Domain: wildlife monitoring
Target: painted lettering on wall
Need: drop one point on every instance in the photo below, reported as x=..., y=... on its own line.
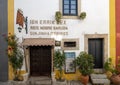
x=48, y=27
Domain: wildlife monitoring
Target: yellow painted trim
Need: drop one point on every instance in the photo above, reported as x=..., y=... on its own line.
x=69, y=77
x=10, y=29
x=112, y=31
x=11, y=16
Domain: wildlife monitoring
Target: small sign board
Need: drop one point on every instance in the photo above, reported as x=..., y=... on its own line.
x=69, y=65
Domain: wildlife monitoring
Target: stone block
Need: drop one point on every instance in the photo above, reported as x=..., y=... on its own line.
x=101, y=81
x=98, y=76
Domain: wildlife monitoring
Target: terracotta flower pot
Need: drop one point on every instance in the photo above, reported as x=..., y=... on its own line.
x=84, y=79
x=115, y=79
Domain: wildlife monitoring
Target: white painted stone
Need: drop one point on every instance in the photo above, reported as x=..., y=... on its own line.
x=98, y=76
x=99, y=79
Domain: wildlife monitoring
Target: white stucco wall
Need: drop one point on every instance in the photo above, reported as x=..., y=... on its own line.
x=97, y=20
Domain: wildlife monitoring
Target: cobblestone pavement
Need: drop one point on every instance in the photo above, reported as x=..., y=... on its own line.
x=54, y=83
x=4, y=83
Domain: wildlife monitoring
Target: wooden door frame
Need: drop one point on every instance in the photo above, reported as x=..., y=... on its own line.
x=105, y=45
x=27, y=55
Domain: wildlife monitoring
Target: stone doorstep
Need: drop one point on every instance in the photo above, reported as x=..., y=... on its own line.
x=43, y=82
x=40, y=78
x=98, y=76
x=100, y=81
x=40, y=81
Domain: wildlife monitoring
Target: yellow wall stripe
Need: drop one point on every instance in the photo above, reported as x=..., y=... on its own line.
x=11, y=16
x=10, y=28
x=112, y=31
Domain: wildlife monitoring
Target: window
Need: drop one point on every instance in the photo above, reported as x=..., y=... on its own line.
x=70, y=44
x=69, y=7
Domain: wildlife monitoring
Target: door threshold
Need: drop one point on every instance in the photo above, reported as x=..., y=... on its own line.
x=101, y=70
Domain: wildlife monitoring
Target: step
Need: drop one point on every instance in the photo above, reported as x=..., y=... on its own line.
x=40, y=81
x=43, y=82
x=98, y=76
x=101, y=81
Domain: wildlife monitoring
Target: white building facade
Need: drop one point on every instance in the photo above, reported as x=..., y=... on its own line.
x=75, y=35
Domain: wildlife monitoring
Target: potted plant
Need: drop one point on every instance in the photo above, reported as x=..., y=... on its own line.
x=112, y=72
x=59, y=60
x=58, y=16
x=108, y=67
x=82, y=15
x=15, y=56
x=118, y=65
x=85, y=65
x=115, y=78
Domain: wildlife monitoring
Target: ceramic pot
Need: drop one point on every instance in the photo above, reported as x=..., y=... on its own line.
x=84, y=79
x=115, y=79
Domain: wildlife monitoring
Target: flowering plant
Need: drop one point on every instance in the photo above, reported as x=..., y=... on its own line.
x=15, y=55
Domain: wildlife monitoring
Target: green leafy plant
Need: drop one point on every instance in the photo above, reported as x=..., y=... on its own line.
x=58, y=16
x=15, y=55
x=108, y=65
x=85, y=62
x=118, y=66
x=59, y=61
x=82, y=15
x=109, y=68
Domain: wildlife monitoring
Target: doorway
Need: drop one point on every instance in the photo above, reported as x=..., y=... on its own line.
x=40, y=60
x=95, y=48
